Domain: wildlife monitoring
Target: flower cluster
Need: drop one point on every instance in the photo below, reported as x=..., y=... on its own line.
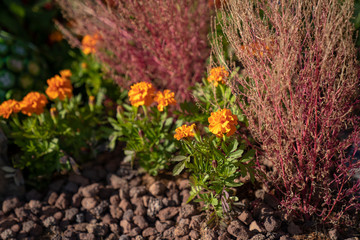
x=33, y=102
x=60, y=87
x=164, y=99
x=8, y=107
x=218, y=75
x=143, y=93
x=184, y=131
x=89, y=43
x=223, y=122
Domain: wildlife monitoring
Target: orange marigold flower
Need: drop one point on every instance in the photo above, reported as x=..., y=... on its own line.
x=164, y=99
x=59, y=87
x=218, y=75
x=141, y=93
x=33, y=102
x=88, y=43
x=184, y=131
x=55, y=36
x=223, y=121
x=66, y=73
x=8, y=107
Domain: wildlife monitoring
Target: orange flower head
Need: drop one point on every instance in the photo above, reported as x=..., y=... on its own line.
x=218, y=75
x=89, y=43
x=141, y=93
x=55, y=36
x=8, y=107
x=53, y=112
x=33, y=102
x=184, y=131
x=222, y=122
x=59, y=87
x=164, y=99
x=66, y=73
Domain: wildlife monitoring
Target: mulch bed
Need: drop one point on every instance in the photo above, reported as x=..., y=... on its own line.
x=109, y=200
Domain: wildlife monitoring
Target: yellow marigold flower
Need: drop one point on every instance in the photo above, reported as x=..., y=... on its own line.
x=88, y=43
x=66, y=73
x=8, y=107
x=164, y=99
x=141, y=93
x=184, y=131
x=218, y=74
x=223, y=121
x=33, y=102
x=59, y=87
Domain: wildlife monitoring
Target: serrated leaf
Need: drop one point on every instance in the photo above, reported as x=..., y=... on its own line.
x=178, y=168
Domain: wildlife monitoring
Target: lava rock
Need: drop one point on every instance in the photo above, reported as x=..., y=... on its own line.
x=90, y=190
x=272, y=224
x=237, y=229
x=168, y=213
x=157, y=188
x=10, y=204
x=149, y=232
x=88, y=203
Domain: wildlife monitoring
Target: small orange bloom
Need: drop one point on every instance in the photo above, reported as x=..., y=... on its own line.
x=164, y=99
x=59, y=87
x=91, y=100
x=66, y=73
x=55, y=36
x=184, y=131
x=141, y=93
x=218, y=75
x=89, y=43
x=33, y=102
x=8, y=107
x=221, y=122
x=53, y=112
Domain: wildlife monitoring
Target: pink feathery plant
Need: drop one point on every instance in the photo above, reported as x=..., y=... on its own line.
x=298, y=89
x=163, y=42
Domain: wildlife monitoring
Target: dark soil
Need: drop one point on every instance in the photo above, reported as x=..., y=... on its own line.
x=109, y=200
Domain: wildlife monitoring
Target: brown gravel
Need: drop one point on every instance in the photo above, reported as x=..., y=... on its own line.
x=112, y=201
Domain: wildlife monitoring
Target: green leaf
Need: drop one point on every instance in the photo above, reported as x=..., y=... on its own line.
x=233, y=146
x=233, y=184
x=249, y=155
x=178, y=158
x=236, y=154
x=178, y=168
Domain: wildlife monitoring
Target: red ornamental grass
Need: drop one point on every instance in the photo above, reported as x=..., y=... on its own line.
x=162, y=42
x=299, y=89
